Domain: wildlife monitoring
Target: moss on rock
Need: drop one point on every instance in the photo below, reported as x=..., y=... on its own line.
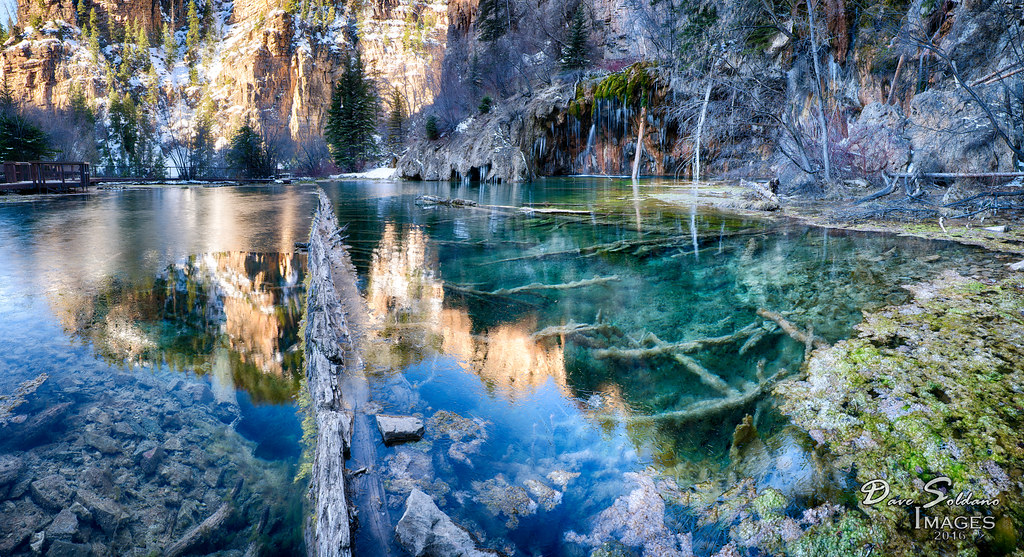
x=927, y=389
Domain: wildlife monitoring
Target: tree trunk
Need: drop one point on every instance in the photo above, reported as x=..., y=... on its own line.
x=700, y=129
x=826, y=163
x=639, y=143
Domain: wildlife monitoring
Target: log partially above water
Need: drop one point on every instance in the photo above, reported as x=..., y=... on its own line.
x=338, y=393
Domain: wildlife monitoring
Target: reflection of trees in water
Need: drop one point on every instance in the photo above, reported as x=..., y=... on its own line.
x=248, y=304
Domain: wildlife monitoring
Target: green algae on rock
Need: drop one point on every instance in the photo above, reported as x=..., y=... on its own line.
x=927, y=389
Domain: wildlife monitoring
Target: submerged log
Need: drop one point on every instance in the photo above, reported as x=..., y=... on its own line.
x=790, y=329
x=706, y=408
x=661, y=348
x=534, y=287
x=204, y=529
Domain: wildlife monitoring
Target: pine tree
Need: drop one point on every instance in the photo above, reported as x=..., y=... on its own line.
x=142, y=44
x=194, y=31
x=152, y=88
x=431, y=128
x=494, y=19
x=248, y=154
x=82, y=14
x=22, y=140
x=94, y=34
x=352, y=117
x=574, y=55
x=170, y=45
x=396, y=121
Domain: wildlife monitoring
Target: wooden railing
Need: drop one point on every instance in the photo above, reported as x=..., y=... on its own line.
x=48, y=176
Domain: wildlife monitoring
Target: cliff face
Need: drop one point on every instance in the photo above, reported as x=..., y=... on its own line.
x=259, y=63
x=764, y=112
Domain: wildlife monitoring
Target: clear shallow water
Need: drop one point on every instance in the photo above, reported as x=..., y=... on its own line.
x=169, y=317
x=163, y=319
x=547, y=428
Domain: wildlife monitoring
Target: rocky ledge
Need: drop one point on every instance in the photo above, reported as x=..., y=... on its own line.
x=929, y=389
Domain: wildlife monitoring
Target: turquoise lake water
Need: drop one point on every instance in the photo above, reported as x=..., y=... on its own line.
x=167, y=319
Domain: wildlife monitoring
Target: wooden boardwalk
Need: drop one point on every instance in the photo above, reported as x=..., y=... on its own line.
x=49, y=177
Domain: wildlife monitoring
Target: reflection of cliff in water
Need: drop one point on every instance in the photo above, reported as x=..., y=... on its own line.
x=234, y=314
x=406, y=298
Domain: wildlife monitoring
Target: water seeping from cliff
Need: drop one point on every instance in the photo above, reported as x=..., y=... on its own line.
x=166, y=322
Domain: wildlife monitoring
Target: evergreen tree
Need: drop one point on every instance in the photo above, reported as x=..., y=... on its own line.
x=79, y=106
x=142, y=44
x=3, y=34
x=574, y=55
x=170, y=45
x=82, y=14
x=22, y=140
x=396, y=121
x=494, y=19
x=431, y=128
x=248, y=155
x=352, y=118
x=152, y=88
x=94, y=34
x=485, y=104
x=192, y=38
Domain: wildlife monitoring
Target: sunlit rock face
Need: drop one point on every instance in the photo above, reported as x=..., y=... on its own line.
x=265, y=65
x=42, y=70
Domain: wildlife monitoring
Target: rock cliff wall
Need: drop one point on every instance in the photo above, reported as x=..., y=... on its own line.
x=258, y=62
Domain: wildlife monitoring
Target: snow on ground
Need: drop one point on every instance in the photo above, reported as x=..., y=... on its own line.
x=375, y=174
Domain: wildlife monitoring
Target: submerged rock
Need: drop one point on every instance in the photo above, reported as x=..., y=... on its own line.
x=425, y=531
x=500, y=497
x=467, y=435
x=106, y=513
x=399, y=429
x=64, y=526
x=637, y=519
x=61, y=548
x=52, y=492
x=10, y=469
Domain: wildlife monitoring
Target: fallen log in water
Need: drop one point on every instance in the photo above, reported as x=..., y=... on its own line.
x=661, y=348
x=327, y=346
x=790, y=329
x=534, y=287
x=339, y=393
x=704, y=408
x=204, y=529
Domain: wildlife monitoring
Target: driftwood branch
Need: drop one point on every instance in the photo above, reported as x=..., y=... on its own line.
x=790, y=329
x=535, y=287
x=705, y=408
